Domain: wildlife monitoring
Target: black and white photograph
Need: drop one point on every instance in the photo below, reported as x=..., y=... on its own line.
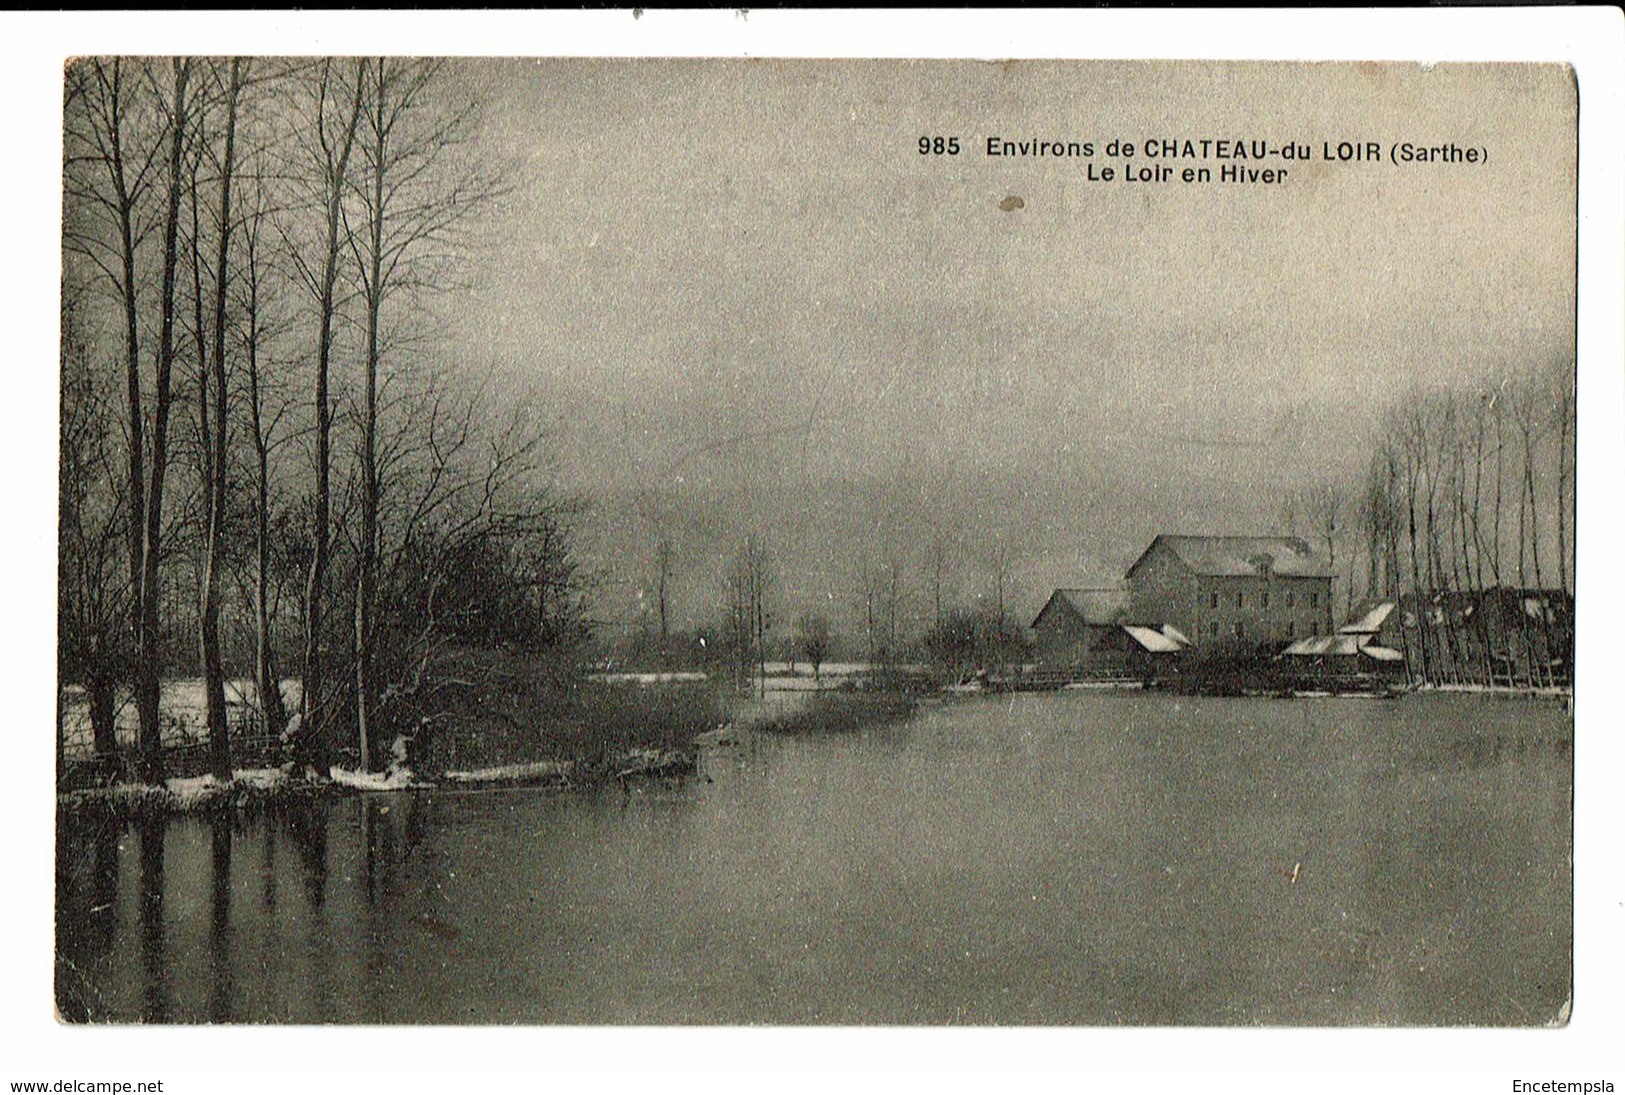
x=632, y=541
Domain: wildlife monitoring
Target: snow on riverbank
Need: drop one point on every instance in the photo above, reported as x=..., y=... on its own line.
x=195, y=791
x=1550, y=691
x=182, y=710
x=193, y=794
x=646, y=679
x=394, y=779
x=541, y=771
x=259, y=786
x=634, y=764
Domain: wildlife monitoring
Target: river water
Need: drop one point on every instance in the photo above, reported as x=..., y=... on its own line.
x=1072, y=858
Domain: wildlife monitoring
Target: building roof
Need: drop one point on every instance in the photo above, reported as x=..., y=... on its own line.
x=1341, y=646
x=1237, y=556
x=1155, y=641
x=1102, y=606
x=1371, y=622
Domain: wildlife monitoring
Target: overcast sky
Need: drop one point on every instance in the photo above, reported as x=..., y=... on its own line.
x=738, y=280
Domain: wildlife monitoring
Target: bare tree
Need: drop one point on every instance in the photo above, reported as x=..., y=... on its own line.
x=936, y=566
x=113, y=147
x=746, y=583
x=92, y=597
x=1563, y=410
x=1292, y=507
x=474, y=548
x=892, y=609
x=413, y=196
x=211, y=392
x=1498, y=407
x=262, y=431
x=868, y=601
x=1001, y=565
x=327, y=141
x=149, y=655
x=1324, y=507
x=167, y=206
x=1531, y=418
x=812, y=638
x=663, y=565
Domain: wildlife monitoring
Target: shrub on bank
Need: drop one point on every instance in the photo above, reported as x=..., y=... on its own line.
x=511, y=710
x=838, y=713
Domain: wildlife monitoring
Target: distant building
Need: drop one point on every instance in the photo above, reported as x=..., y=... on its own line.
x=1354, y=651
x=1086, y=633
x=1232, y=594
x=1074, y=621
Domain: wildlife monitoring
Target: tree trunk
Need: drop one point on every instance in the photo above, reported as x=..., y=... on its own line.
x=1500, y=464
x=209, y=618
x=149, y=663
x=1543, y=675
x=1565, y=409
x=663, y=557
x=132, y=351
x=101, y=692
x=1423, y=602
x=267, y=679
x=210, y=472
x=367, y=565
x=312, y=699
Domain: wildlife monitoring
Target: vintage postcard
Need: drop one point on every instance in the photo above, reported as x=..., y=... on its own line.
x=606, y=541
x=724, y=541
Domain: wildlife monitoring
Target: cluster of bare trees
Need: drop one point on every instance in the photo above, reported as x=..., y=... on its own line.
x=746, y=621
x=892, y=616
x=250, y=406
x=1472, y=491
x=1465, y=514
x=1321, y=513
x=883, y=597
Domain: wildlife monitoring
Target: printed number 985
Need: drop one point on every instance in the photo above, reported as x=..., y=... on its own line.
x=939, y=146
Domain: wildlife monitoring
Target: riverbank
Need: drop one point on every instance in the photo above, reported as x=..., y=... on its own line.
x=662, y=744
x=254, y=790
x=811, y=713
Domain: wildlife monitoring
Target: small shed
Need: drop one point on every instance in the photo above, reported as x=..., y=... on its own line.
x=1072, y=623
x=1352, y=652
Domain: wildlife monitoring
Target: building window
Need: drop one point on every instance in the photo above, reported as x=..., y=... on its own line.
x=1290, y=599
x=1241, y=600
x=1291, y=628
x=1213, y=627
x=1264, y=599
x=1314, y=600
x=1213, y=601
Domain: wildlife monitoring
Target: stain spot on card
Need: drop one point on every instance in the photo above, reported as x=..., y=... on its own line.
x=1012, y=203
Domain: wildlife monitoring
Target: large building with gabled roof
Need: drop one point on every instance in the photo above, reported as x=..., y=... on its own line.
x=1232, y=594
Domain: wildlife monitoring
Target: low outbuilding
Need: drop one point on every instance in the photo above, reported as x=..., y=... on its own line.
x=1073, y=622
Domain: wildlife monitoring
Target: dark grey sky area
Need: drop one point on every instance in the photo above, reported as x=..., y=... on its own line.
x=750, y=302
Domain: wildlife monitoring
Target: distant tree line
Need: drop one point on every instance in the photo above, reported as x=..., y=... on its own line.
x=262, y=467
x=895, y=611
x=1465, y=491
